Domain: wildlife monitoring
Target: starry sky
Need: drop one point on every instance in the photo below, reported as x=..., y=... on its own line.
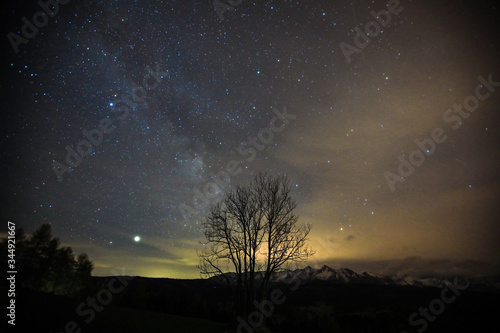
x=122, y=121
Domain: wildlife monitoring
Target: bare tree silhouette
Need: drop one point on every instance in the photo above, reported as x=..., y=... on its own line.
x=253, y=231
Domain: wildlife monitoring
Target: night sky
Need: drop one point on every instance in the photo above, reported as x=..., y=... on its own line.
x=171, y=106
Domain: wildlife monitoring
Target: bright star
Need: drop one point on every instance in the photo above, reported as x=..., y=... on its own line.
x=137, y=238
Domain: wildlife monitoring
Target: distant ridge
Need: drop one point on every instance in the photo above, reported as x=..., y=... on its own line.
x=348, y=276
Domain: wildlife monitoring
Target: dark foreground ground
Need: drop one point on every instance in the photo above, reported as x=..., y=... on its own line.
x=165, y=305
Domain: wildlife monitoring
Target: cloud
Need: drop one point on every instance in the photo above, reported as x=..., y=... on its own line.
x=419, y=267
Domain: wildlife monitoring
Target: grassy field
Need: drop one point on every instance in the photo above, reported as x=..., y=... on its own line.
x=48, y=313
x=121, y=319
x=315, y=307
